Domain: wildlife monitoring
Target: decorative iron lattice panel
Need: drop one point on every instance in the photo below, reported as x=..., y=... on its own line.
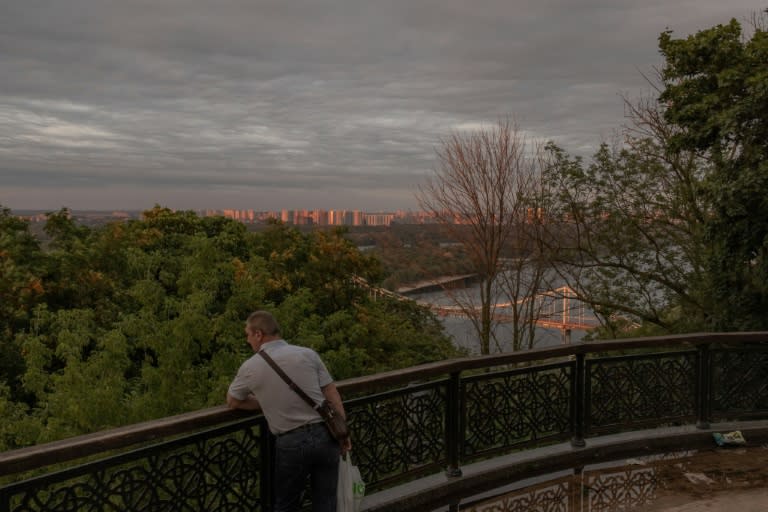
x=739, y=383
x=605, y=490
x=638, y=390
x=209, y=473
x=554, y=497
x=510, y=408
x=398, y=433
x=623, y=490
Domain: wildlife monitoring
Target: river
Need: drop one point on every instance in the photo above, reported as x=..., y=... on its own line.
x=464, y=335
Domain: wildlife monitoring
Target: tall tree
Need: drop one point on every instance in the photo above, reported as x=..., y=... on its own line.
x=21, y=288
x=716, y=93
x=671, y=226
x=625, y=230
x=480, y=192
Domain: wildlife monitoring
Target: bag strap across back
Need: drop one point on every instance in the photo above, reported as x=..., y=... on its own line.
x=271, y=362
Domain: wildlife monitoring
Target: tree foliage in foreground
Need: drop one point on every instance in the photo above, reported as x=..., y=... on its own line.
x=630, y=237
x=144, y=319
x=671, y=227
x=716, y=93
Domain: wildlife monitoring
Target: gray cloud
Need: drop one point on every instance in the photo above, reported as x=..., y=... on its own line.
x=330, y=103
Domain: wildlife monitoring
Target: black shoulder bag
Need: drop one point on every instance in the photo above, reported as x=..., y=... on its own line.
x=335, y=422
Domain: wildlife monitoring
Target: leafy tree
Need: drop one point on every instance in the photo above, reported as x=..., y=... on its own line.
x=152, y=311
x=716, y=93
x=367, y=338
x=418, y=260
x=21, y=288
x=323, y=261
x=625, y=231
x=670, y=227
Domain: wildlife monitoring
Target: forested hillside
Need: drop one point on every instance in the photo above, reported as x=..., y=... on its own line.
x=143, y=319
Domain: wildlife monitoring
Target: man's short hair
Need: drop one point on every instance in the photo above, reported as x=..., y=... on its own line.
x=263, y=321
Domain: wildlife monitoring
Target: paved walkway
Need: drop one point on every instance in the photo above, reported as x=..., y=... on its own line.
x=755, y=500
x=720, y=480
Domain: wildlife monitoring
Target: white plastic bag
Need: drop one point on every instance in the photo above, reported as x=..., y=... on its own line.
x=351, y=488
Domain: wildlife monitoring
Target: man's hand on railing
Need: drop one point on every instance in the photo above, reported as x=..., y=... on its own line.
x=249, y=404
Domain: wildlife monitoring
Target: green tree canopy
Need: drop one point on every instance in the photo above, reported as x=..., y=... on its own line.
x=144, y=319
x=716, y=94
x=671, y=226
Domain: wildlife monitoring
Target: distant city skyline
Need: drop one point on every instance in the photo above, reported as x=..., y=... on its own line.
x=298, y=217
x=271, y=104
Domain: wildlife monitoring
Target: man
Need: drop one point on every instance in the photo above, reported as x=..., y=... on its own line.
x=304, y=447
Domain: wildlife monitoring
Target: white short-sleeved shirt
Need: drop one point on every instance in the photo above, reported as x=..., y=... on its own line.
x=284, y=409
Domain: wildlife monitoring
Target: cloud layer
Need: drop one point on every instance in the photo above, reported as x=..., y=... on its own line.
x=306, y=103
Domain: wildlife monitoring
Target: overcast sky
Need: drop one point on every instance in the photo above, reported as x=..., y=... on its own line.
x=121, y=104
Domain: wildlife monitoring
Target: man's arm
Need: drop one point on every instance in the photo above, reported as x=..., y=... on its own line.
x=332, y=395
x=249, y=404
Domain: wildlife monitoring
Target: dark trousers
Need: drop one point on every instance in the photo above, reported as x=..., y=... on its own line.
x=307, y=452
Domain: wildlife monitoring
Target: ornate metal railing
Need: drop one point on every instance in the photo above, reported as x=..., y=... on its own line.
x=607, y=489
x=406, y=423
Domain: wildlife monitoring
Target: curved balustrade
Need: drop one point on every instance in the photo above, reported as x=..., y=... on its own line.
x=406, y=424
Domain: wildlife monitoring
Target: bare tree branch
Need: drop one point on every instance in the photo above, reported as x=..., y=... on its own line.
x=481, y=190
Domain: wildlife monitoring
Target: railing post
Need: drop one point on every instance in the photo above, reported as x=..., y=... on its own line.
x=703, y=387
x=453, y=425
x=267, y=470
x=5, y=501
x=578, y=400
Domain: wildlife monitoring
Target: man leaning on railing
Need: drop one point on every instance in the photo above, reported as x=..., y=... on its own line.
x=304, y=446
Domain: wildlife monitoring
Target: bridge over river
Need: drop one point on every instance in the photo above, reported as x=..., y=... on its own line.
x=555, y=309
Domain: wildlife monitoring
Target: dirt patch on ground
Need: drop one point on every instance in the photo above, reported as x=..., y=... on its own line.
x=715, y=480
x=709, y=476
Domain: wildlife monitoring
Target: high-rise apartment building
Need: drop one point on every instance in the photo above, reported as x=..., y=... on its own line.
x=320, y=217
x=378, y=219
